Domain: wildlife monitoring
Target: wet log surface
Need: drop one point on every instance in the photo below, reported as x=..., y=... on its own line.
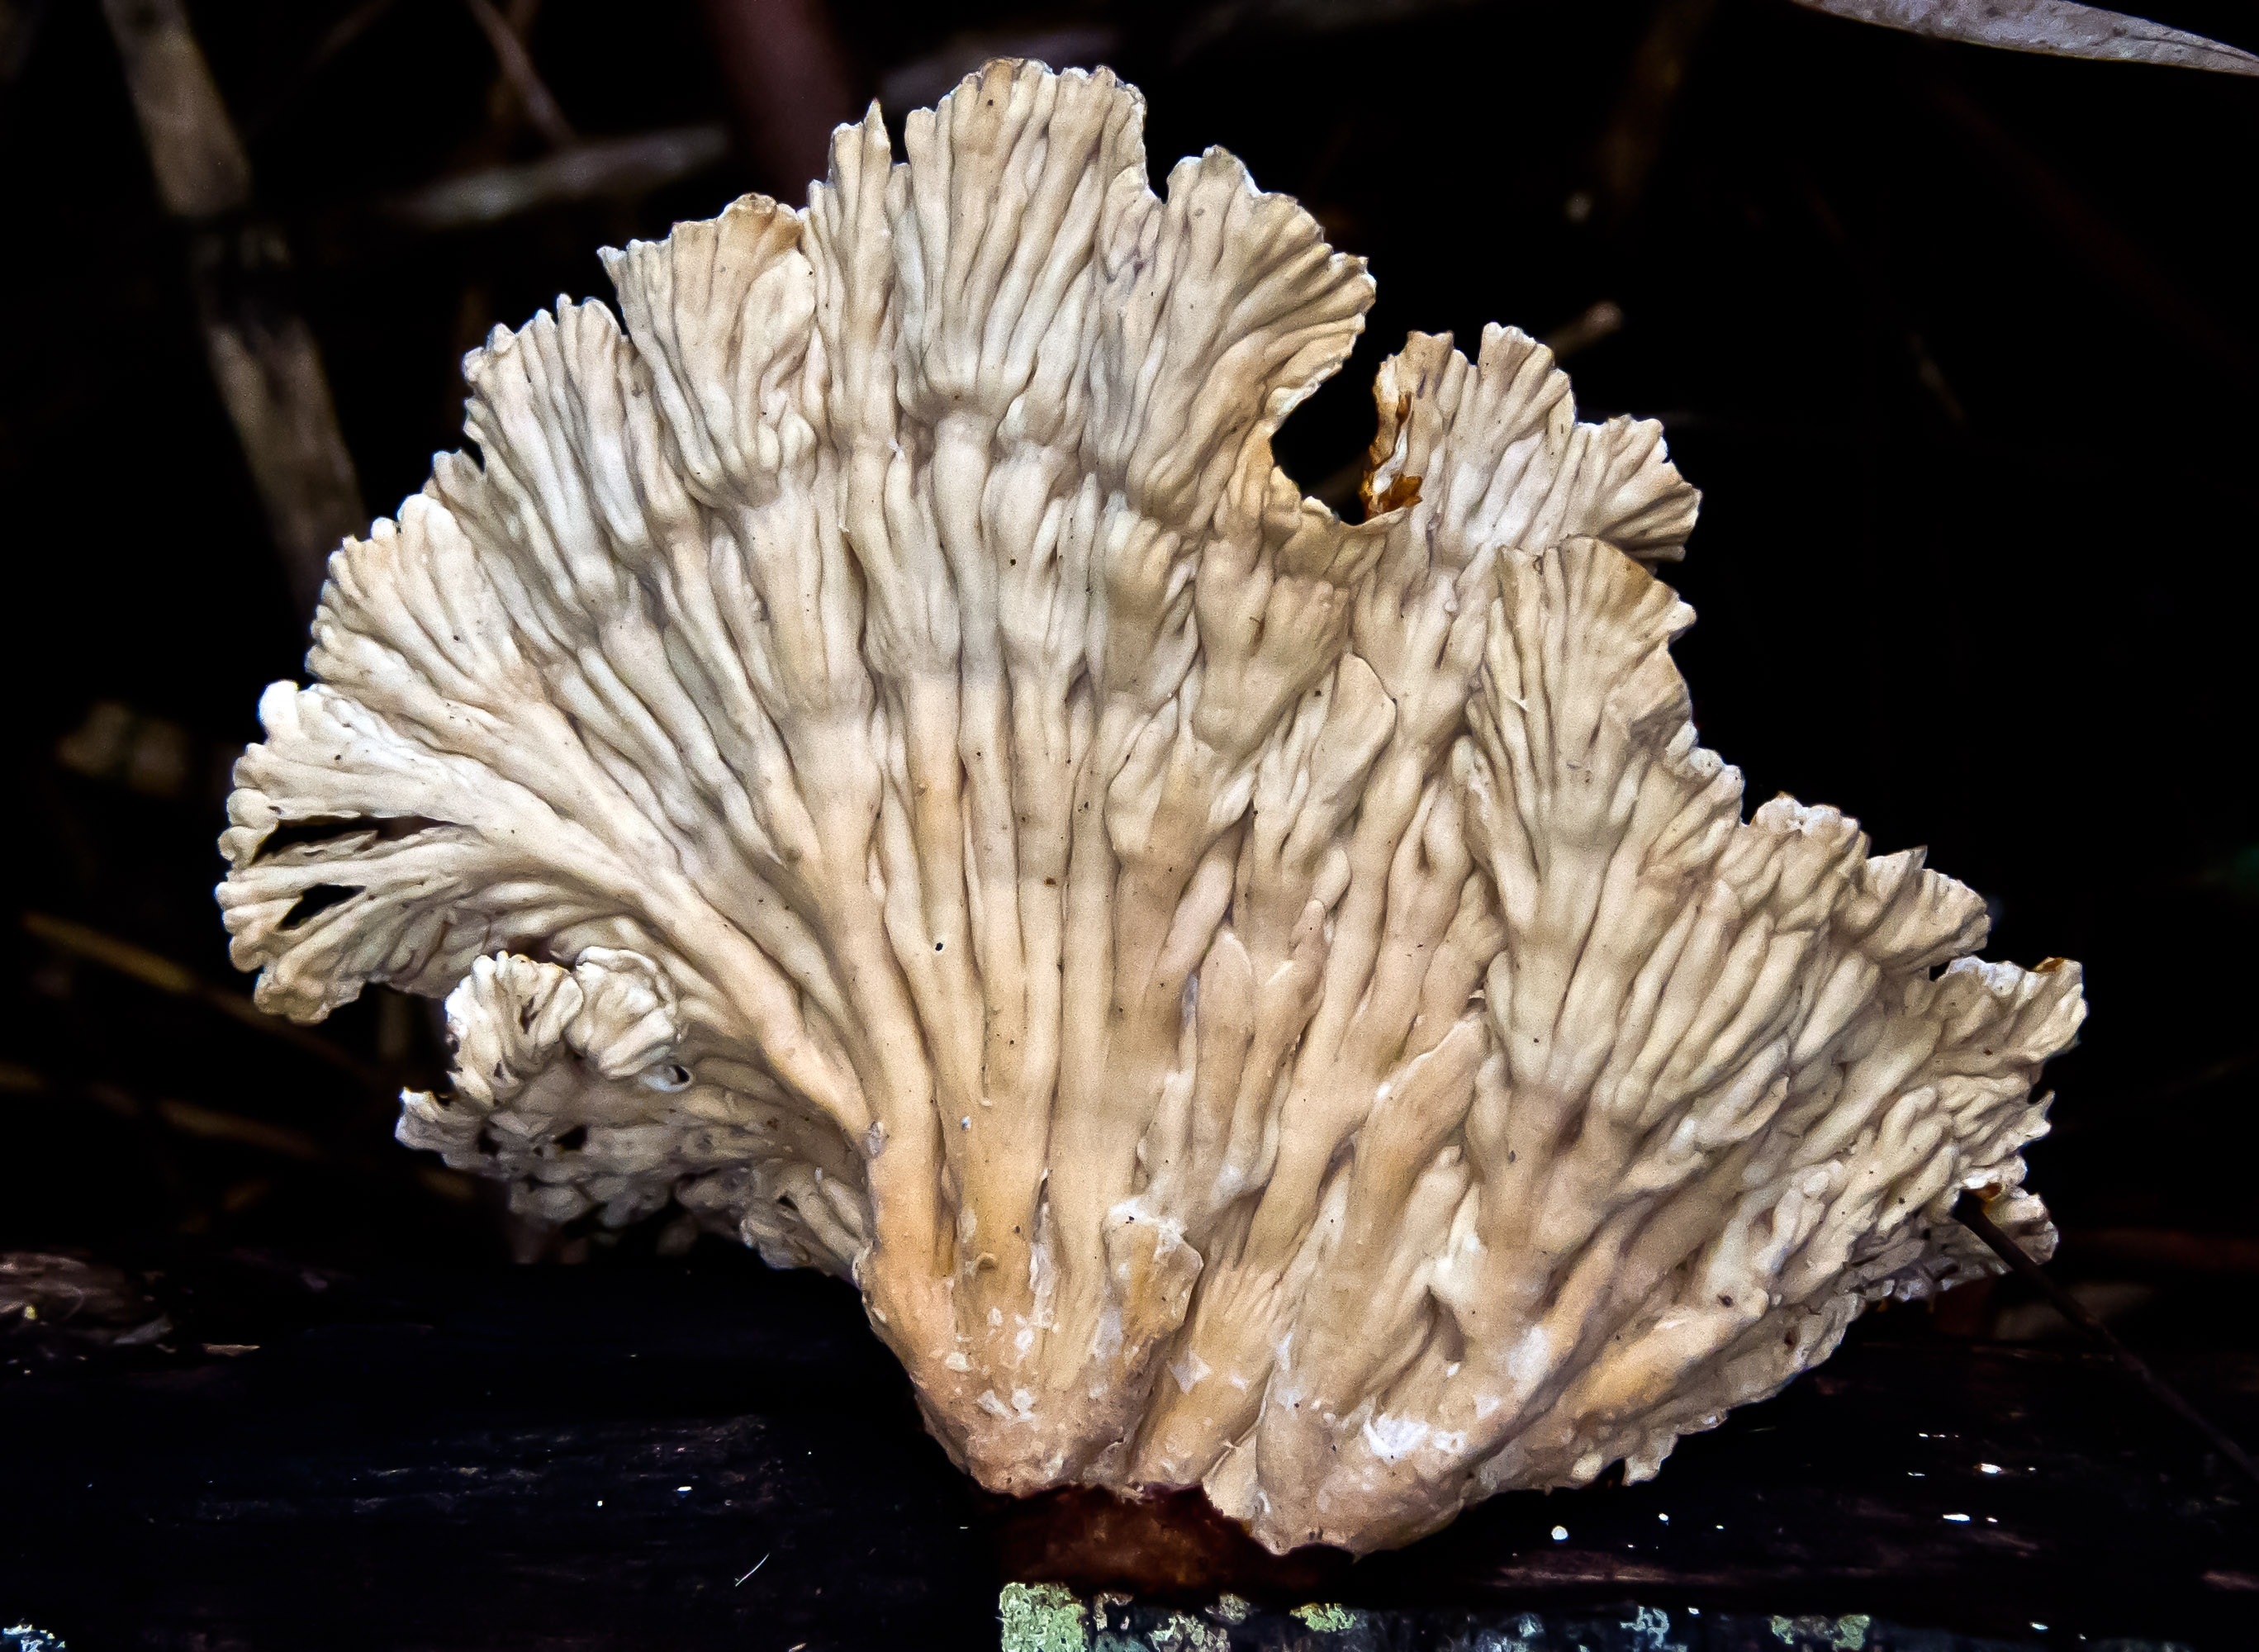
x=685, y=1457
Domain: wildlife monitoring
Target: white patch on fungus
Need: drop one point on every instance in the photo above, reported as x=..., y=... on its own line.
x=1392, y=1438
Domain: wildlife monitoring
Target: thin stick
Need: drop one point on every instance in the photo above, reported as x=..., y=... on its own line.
x=619, y=168
x=517, y=66
x=1969, y=1211
x=1632, y=142
x=154, y=970
x=2035, y=187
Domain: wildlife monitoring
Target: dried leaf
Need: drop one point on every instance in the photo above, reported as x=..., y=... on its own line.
x=2057, y=27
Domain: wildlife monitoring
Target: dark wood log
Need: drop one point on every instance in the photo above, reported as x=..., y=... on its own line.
x=714, y=1455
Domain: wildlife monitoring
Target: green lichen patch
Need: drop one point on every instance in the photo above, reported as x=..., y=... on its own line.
x=1042, y=1618
x=1185, y=1632
x=1847, y=1633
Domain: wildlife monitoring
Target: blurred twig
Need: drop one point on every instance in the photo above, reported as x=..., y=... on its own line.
x=2107, y=250
x=483, y=194
x=154, y=970
x=504, y=104
x=1583, y=331
x=1881, y=299
x=516, y=64
x=261, y=352
x=614, y=167
x=1632, y=141
x=1969, y=1211
x=213, y=1125
x=199, y=164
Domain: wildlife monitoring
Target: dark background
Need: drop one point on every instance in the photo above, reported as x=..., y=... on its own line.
x=1959, y=344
